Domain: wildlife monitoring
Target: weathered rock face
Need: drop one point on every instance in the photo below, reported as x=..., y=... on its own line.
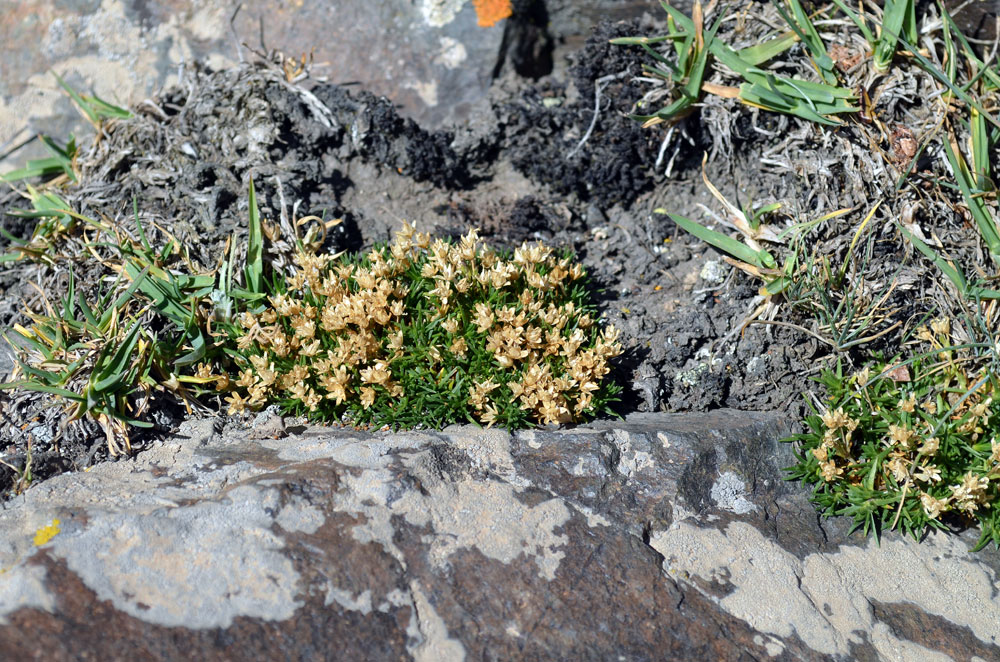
x=431, y=57
x=663, y=537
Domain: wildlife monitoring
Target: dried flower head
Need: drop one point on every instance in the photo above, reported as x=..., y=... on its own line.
x=929, y=447
x=933, y=507
x=941, y=326
x=909, y=404
x=834, y=420
x=900, y=435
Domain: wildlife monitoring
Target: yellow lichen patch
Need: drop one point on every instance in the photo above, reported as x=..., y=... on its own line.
x=46, y=533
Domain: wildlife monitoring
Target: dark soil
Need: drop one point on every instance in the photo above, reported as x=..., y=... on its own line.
x=519, y=170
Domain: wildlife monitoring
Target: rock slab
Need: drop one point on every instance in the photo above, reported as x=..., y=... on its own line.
x=430, y=57
x=661, y=537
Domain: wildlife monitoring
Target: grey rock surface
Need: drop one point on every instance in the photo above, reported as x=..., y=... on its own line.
x=661, y=537
x=430, y=57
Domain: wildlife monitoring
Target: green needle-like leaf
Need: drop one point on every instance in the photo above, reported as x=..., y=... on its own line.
x=255, y=246
x=964, y=179
x=111, y=375
x=949, y=270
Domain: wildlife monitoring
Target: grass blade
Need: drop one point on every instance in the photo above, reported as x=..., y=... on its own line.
x=78, y=100
x=760, y=259
x=858, y=21
x=806, y=32
x=198, y=352
x=123, y=298
x=255, y=260
x=948, y=269
x=761, y=53
x=106, y=110
x=894, y=16
x=138, y=225
x=977, y=206
x=961, y=93
x=43, y=388
x=109, y=377
x=59, y=163
x=991, y=74
x=980, y=151
x=94, y=108
x=87, y=311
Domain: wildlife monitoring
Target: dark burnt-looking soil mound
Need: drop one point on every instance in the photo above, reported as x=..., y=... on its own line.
x=583, y=148
x=534, y=162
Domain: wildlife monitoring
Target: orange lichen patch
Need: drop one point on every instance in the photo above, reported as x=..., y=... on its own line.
x=491, y=12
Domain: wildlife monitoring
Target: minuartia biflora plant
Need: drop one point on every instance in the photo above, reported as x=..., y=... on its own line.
x=427, y=333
